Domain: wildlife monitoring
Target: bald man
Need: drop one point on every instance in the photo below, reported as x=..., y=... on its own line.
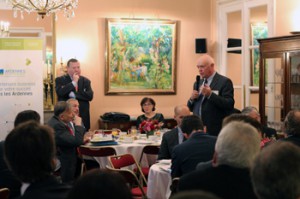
x=212, y=97
x=175, y=136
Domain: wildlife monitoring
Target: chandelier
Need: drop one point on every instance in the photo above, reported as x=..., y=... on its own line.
x=43, y=7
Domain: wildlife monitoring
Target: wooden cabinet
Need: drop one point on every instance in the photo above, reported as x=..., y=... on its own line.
x=279, y=85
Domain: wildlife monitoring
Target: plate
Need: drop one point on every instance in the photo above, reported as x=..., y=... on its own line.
x=144, y=142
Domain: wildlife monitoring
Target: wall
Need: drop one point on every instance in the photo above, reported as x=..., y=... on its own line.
x=287, y=16
x=83, y=37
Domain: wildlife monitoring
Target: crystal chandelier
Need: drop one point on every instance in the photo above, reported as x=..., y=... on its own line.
x=43, y=7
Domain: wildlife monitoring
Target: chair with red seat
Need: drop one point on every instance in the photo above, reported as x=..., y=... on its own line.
x=95, y=152
x=148, y=150
x=4, y=193
x=137, y=189
x=125, y=161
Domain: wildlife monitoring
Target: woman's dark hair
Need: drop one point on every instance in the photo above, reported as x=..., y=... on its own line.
x=29, y=150
x=25, y=116
x=148, y=99
x=98, y=183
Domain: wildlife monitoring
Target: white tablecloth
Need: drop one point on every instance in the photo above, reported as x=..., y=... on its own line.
x=135, y=148
x=159, y=181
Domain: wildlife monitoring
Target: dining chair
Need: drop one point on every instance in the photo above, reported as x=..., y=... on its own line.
x=148, y=150
x=125, y=161
x=94, y=152
x=138, y=190
x=4, y=193
x=174, y=185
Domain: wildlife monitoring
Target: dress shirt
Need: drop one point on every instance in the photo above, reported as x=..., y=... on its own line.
x=180, y=136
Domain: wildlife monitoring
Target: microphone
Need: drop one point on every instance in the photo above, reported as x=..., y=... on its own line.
x=197, y=82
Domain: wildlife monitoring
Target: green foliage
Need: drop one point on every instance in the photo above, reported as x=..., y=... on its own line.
x=141, y=56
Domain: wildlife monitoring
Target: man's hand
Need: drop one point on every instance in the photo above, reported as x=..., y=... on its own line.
x=205, y=90
x=75, y=77
x=194, y=95
x=77, y=120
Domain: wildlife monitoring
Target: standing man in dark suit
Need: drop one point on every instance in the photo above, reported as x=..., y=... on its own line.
x=198, y=148
x=73, y=85
x=212, y=96
x=175, y=136
x=68, y=138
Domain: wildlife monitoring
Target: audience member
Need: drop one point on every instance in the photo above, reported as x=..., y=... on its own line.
x=7, y=178
x=75, y=108
x=174, y=137
x=30, y=153
x=253, y=122
x=292, y=127
x=212, y=96
x=74, y=85
x=194, y=195
x=198, y=148
x=228, y=176
x=253, y=112
x=276, y=172
x=97, y=184
x=148, y=107
x=67, y=139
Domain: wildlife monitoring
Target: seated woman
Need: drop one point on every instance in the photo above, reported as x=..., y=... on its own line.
x=148, y=107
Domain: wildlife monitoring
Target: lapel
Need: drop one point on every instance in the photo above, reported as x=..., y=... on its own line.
x=214, y=81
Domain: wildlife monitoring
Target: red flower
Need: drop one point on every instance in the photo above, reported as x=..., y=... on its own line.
x=149, y=125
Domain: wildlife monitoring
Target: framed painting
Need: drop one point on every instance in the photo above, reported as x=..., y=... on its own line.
x=140, y=57
x=258, y=31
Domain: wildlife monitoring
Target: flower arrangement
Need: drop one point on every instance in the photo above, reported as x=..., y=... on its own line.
x=149, y=126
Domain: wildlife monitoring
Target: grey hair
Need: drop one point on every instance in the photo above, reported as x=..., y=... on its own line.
x=61, y=107
x=247, y=110
x=237, y=145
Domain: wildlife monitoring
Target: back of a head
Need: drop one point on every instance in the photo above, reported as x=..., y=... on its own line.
x=191, y=123
x=242, y=118
x=237, y=145
x=292, y=123
x=194, y=195
x=25, y=116
x=248, y=109
x=276, y=172
x=29, y=151
x=100, y=184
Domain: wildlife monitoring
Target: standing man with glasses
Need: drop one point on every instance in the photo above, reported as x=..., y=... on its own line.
x=73, y=85
x=212, y=96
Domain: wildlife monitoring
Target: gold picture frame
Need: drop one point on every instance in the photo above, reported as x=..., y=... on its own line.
x=140, y=57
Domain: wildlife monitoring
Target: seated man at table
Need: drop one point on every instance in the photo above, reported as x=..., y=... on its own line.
x=229, y=174
x=67, y=139
x=175, y=136
x=199, y=147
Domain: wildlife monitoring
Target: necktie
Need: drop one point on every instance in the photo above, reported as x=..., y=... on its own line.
x=70, y=130
x=202, y=97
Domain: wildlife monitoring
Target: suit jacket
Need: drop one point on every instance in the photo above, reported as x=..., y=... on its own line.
x=66, y=147
x=219, y=105
x=224, y=181
x=169, y=141
x=63, y=87
x=198, y=148
x=48, y=188
x=295, y=139
x=7, y=178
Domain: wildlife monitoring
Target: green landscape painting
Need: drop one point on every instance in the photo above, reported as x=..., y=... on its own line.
x=141, y=57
